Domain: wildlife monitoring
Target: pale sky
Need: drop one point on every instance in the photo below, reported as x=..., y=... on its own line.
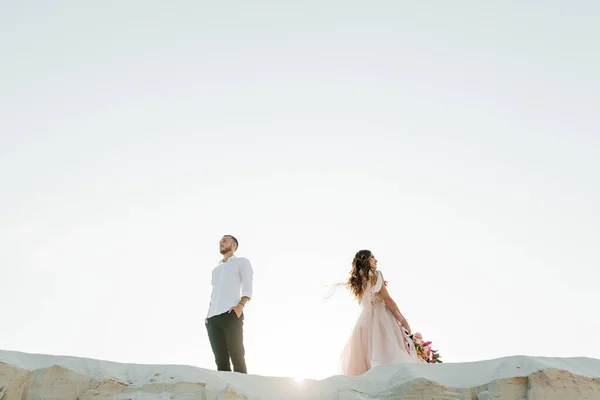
x=459, y=142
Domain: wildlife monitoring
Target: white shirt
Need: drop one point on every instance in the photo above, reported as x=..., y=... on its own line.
x=230, y=278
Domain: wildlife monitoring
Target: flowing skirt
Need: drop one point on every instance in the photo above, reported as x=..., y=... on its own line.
x=377, y=339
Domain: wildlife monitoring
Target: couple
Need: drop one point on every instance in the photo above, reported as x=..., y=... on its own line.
x=379, y=337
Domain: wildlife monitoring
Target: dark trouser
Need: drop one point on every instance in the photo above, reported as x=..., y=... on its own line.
x=226, y=335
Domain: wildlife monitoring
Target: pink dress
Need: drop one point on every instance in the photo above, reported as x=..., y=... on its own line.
x=377, y=338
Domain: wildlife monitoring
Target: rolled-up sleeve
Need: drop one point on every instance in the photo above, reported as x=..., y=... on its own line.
x=247, y=274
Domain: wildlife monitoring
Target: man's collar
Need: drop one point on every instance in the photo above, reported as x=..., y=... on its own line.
x=233, y=257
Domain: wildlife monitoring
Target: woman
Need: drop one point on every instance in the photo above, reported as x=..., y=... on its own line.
x=380, y=335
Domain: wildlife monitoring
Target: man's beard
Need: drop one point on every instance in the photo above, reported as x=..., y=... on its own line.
x=225, y=250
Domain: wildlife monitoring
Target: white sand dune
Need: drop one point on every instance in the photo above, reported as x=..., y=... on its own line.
x=44, y=377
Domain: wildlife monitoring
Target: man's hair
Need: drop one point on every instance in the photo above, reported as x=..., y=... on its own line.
x=235, y=240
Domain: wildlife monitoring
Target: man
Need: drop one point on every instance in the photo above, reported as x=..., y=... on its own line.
x=225, y=318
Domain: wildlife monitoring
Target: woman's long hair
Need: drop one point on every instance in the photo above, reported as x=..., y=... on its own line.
x=360, y=273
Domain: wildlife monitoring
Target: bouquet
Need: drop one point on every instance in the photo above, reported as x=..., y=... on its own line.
x=424, y=349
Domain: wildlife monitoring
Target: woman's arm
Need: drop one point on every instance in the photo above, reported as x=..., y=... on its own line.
x=391, y=304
